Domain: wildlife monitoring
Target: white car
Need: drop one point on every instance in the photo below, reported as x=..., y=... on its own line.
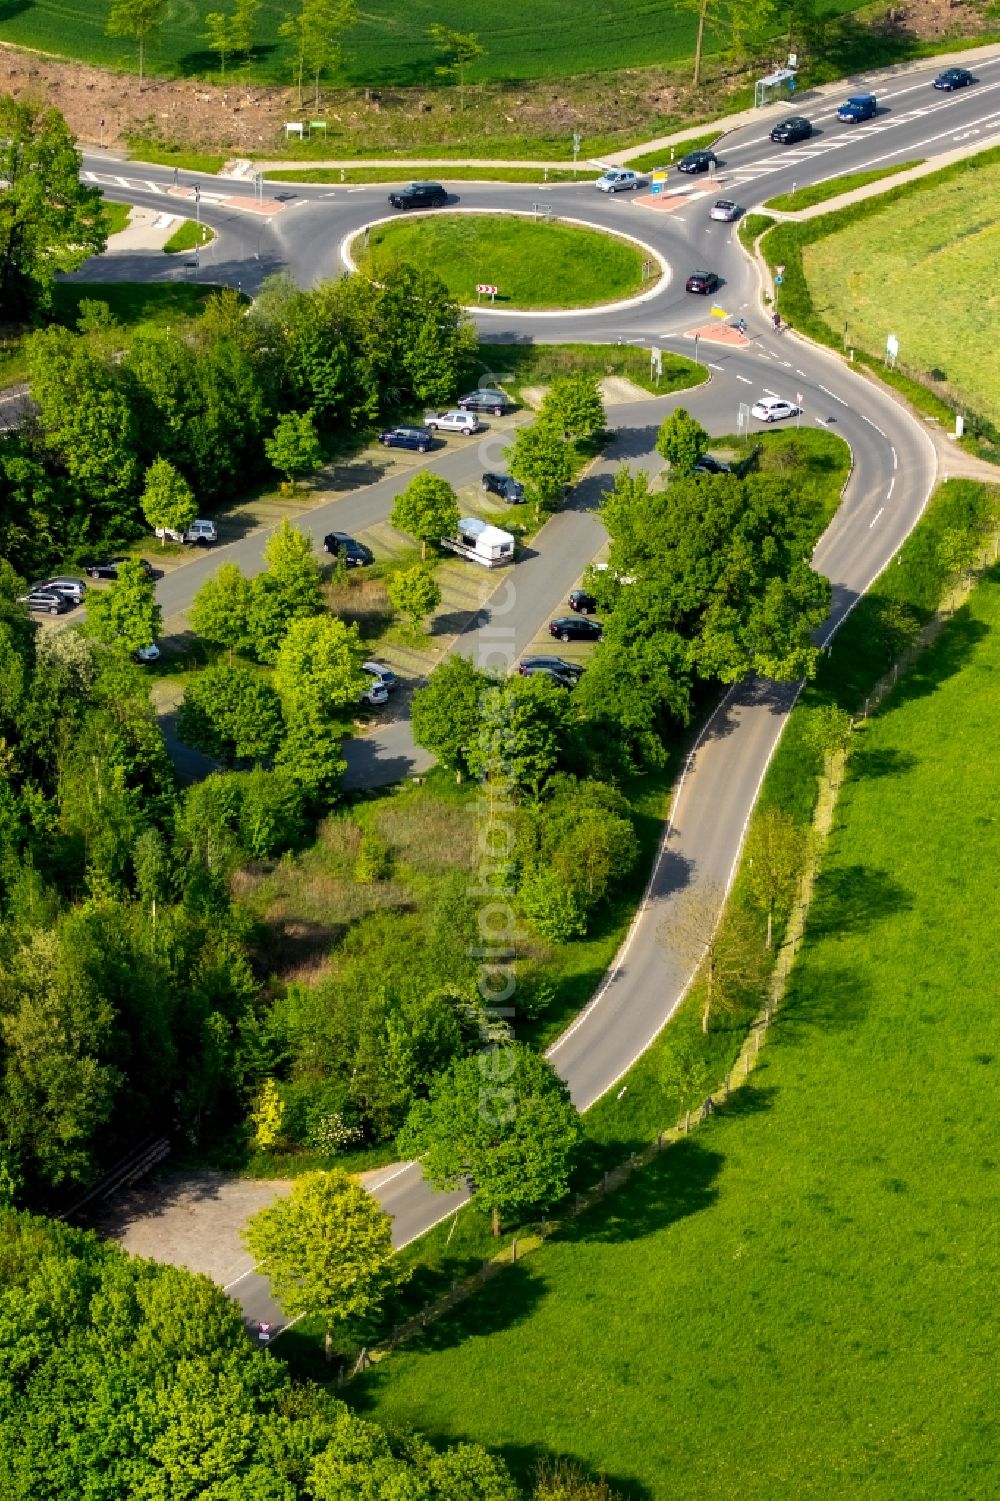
x=726, y=210
x=150, y=653
x=457, y=420
x=376, y=695
x=771, y=408
x=619, y=180
x=201, y=531
x=383, y=675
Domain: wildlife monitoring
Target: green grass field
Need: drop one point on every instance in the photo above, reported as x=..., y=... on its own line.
x=925, y=269
x=535, y=264
x=832, y=187
x=390, y=45
x=799, y=1300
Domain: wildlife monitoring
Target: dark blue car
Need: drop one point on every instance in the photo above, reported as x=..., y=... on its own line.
x=420, y=438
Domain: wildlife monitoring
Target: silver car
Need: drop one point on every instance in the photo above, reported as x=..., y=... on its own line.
x=726, y=210
x=619, y=180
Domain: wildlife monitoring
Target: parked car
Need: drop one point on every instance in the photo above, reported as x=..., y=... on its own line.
x=355, y=554
x=697, y=161
x=381, y=674
x=953, y=78
x=457, y=420
x=528, y=665
x=619, y=180
x=46, y=601
x=200, y=531
x=795, y=128
x=703, y=282
x=575, y=628
x=504, y=485
x=65, y=583
x=858, y=107
x=771, y=408
x=708, y=464
x=150, y=653
x=420, y=438
x=109, y=570
x=486, y=400
x=555, y=675
x=419, y=195
x=582, y=602
x=376, y=695
x=726, y=210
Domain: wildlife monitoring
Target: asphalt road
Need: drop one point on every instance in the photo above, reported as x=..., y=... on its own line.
x=892, y=477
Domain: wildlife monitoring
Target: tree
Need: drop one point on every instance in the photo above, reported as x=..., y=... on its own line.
x=414, y=592
x=574, y=406
x=290, y=589
x=552, y=906
x=445, y=714
x=244, y=25
x=221, y=610
x=458, y=49
x=167, y=501
x=683, y=1070
x=219, y=37
x=324, y=21
x=138, y=19
x=681, y=440
x=524, y=725
x=502, y=1120
x=295, y=447
x=317, y=677
x=772, y=859
x=127, y=612
x=327, y=1248
x=50, y=223
x=540, y=459
x=828, y=731
x=427, y=509
x=725, y=950
x=231, y=713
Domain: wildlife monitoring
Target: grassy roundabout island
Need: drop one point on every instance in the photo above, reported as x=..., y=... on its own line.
x=533, y=263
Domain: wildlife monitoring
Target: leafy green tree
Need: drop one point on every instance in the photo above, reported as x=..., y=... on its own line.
x=138, y=19
x=502, y=1120
x=773, y=859
x=525, y=723
x=552, y=907
x=457, y=49
x=726, y=953
x=218, y=35
x=574, y=406
x=446, y=714
x=167, y=502
x=222, y=608
x=828, y=731
x=414, y=592
x=427, y=509
x=32, y=508
x=295, y=448
x=681, y=440
x=290, y=589
x=327, y=1248
x=127, y=612
x=243, y=26
x=540, y=459
x=325, y=22
x=683, y=1071
x=50, y=222
x=318, y=679
x=231, y=713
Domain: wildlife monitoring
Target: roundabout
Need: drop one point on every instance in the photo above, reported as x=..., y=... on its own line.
x=539, y=264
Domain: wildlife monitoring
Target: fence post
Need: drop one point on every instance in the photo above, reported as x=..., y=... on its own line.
x=687, y=1123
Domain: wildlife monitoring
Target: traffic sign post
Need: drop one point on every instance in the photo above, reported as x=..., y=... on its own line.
x=656, y=363
x=798, y=414
x=483, y=289
x=743, y=419
x=891, y=349
x=696, y=338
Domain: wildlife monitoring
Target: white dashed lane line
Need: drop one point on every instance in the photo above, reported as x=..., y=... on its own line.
x=744, y=379
x=875, y=517
x=834, y=397
x=870, y=423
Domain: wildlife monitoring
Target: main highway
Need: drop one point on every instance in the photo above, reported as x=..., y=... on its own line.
x=303, y=232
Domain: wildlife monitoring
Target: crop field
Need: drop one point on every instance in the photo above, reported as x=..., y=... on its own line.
x=925, y=269
x=799, y=1299
x=535, y=264
x=390, y=46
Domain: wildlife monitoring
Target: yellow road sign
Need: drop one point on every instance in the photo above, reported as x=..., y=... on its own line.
x=719, y=312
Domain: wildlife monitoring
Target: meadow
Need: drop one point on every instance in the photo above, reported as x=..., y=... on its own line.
x=798, y=1299
x=390, y=46
x=534, y=263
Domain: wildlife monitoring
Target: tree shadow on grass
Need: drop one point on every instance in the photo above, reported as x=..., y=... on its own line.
x=837, y=998
x=871, y=761
x=949, y=654
x=524, y=1461
x=853, y=898
x=676, y=1184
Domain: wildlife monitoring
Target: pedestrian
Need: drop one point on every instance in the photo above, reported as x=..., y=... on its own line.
x=175, y=177
x=741, y=327
x=776, y=320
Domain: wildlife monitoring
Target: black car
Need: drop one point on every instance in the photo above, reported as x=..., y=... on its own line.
x=582, y=602
x=571, y=670
x=419, y=195
x=703, y=282
x=953, y=78
x=556, y=675
x=420, y=438
x=109, y=570
x=340, y=545
x=575, y=628
x=488, y=400
x=47, y=601
x=508, y=489
x=709, y=465
x=795, y=128
x=697, y=161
